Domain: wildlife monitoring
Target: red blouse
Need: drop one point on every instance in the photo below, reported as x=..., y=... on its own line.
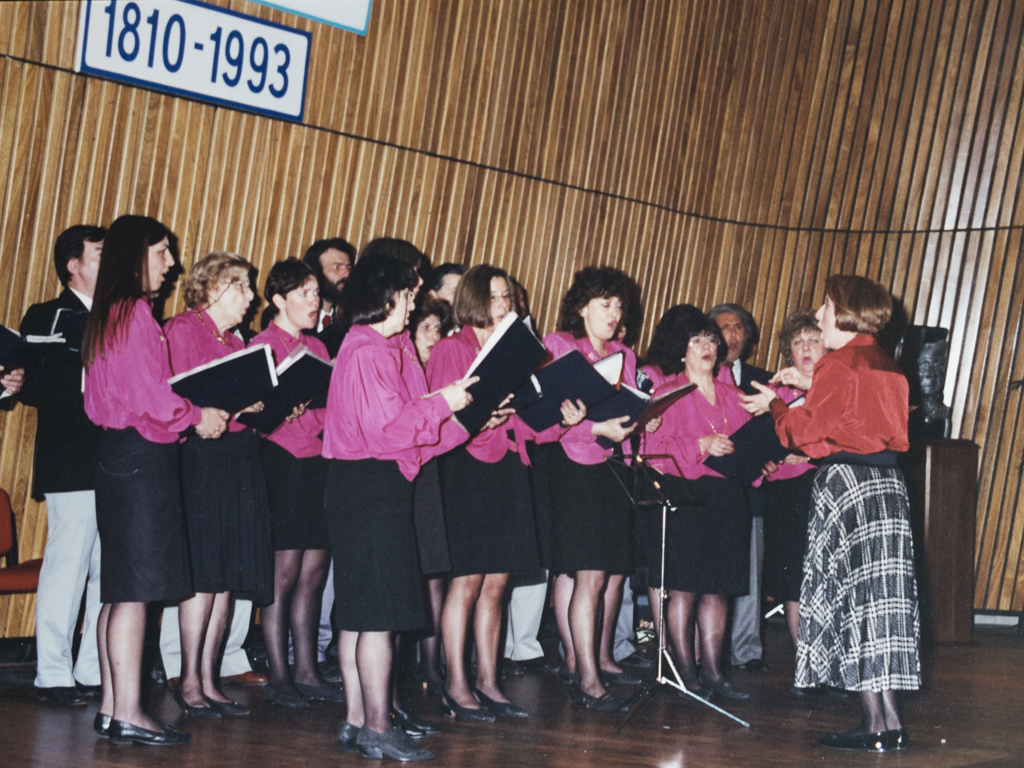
x=858, y=402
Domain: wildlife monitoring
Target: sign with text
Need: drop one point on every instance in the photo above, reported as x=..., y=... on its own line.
x=351, y=15
x=189, y=48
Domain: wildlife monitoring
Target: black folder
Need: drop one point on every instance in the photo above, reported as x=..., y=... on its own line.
x=70, y=323
x=570, y=377
x=756, y=444
x=639, y=406
x=506, y=361
x=230, y=383
x=17, y=352
x=302, y=379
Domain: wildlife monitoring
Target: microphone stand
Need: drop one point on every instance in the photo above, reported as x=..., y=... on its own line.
x=639, y=472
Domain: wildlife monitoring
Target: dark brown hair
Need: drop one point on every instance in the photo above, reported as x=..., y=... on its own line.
x=473, y=296
x=798, y=322
x=594, y=283
x=862, y=305
x=123, y=278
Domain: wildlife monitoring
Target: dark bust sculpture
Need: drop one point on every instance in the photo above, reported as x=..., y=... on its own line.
x=924, y=356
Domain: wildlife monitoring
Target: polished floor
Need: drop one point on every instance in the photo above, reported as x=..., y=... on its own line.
x=971, y=713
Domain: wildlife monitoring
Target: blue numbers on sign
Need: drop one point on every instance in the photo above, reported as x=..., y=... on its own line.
x=130, y=42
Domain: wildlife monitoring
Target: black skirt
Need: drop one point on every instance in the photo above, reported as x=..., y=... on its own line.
x=489, y=515
x=296, y=491
x=428, y=515
x=592, y=518
x=140, y=520
x=541, y=461
x=377, y=581
x=227, y=516
x=707, y=546
x=787, y=506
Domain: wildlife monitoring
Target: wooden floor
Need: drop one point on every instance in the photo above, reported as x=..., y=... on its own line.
x=971, y=713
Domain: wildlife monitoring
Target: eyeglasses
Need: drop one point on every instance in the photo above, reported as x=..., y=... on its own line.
x=696, y=342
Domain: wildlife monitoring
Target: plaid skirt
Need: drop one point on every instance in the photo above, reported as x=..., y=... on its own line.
x=859, y=621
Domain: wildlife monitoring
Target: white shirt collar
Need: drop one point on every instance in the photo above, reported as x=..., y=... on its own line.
x=87, y=300
x=737, y=369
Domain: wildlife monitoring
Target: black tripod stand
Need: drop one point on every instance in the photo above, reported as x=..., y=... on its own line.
x=642, y=485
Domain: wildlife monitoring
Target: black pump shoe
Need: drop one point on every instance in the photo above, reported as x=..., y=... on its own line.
x=500, y=708
x=870, y=742
x=393, y=743
x=126, y=733
x=347, y=734
x=453, y=709
x=607, y=703
x=413, y=726
x=101, y=724
x=207, y=713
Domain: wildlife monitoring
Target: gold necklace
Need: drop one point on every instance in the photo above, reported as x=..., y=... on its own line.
x=216, y=334
x=725, y=417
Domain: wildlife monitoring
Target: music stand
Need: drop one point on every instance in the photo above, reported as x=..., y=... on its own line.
x=632, y=478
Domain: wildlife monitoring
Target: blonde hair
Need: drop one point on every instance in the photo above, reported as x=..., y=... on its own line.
x=213, y=268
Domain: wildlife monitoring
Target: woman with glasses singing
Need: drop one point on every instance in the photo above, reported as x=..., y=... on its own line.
x=708, y=546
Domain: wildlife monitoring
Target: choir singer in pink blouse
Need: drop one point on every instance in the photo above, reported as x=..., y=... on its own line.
x=138, y=498
x=295, y=475
x=380, y=429
x=227, y=515
x=707, y=547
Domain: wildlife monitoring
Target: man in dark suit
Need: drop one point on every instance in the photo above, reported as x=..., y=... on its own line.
x=63, y=475
x=740, y=333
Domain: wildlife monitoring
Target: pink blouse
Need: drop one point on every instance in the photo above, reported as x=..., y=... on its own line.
x=127, y=387
x=301, y=436
x=192, y=343
x=449, y=361
x=688, y=420
x=579, y=444
x=374, y=409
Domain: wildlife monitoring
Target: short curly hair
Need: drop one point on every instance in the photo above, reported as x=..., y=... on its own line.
x=213, y=268
x=439, y=308
x=594, y=283
x=672, y=337
x=798, y=322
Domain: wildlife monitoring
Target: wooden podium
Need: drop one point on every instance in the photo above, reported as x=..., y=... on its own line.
x=942, y=478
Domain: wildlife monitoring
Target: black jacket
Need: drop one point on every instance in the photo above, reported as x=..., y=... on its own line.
x=749, y=373
x=65, y=438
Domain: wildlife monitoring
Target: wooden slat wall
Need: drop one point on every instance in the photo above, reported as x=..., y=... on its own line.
x=735, y=150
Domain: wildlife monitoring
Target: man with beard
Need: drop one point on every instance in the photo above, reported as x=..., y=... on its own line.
x=331, y=260
x=740, y=333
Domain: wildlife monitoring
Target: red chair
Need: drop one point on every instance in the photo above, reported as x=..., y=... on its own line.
x=23, y=577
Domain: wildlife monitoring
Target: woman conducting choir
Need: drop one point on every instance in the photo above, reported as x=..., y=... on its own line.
x=707, y=546
x=138, y=498
x=225, y=495
x=592, y=527
x=295, y=475
x=787, y=492
x=488, y=512
x=859, y=622
x=380, y=429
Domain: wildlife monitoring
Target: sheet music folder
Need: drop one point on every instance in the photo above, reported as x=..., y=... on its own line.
x=230, y=383
x=570, y=377
x=302, y=379
x=756, y=444
x=17, y=352
x=506, y=361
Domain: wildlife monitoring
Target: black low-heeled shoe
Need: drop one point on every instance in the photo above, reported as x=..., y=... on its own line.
x=207, y=713
x=126, y=733
x=870, y=742
x=722, y=687
x=101, y=724
x=321, y=693
x=607, y=703
x=273, y=696
x=453, y=709
x=230, y=708
x=347, y=734
x=500, y=708
x=619, y=678
x=414, y=727
x=898, y=739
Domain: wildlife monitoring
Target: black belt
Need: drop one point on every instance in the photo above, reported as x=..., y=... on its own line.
x=880, y=459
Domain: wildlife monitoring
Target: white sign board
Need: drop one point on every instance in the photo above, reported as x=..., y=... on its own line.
x=189, y=48
x=353, y=15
